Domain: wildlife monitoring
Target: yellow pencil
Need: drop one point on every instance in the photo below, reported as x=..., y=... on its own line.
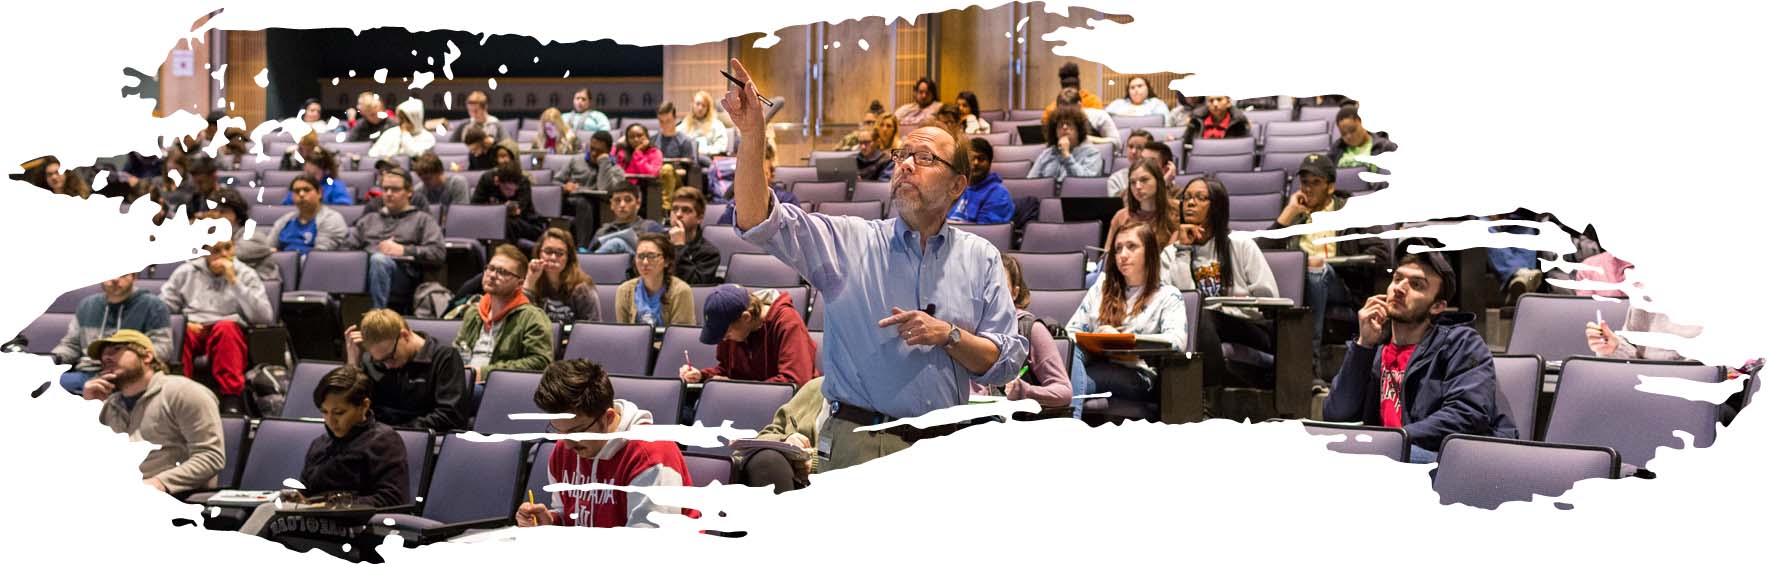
x=530, y=496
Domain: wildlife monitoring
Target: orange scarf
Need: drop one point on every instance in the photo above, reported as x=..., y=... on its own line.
x=492, y=318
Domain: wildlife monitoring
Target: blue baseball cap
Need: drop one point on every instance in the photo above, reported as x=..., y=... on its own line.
x=725, y=304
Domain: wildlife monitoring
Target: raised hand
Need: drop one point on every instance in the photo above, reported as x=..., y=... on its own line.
x=744, y=106
x=1602, y=341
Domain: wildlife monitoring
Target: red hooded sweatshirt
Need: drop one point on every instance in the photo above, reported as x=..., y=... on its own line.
x=620, y=463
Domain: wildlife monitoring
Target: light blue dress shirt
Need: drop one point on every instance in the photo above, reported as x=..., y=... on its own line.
x=865, y=267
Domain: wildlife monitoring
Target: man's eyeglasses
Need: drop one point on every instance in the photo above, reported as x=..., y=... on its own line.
x=921, y=158
x=499, y=271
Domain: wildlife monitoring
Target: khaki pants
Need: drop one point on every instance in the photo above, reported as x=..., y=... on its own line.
x=848, y=448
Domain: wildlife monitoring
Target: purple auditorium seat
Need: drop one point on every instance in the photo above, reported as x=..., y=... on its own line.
x=1327, y=114
x=288, y=264
x=1248, y=226
x=1046, y=237
x=1024, y=115
x=267, y=214
x=604, y=294
x=724, y=237
x=301, y=382
x=619, y=349
x=662, y=397
x=1085, y=187
x=164, y=270
x=756, y=269
x=444, y=330
x=1391, y=442
x=240, y=180
x=1288, y=163
x=1551, y=325
x=1519, y=383
x=1052, y=271
x=746, y=405
x=233, y=436
x=1058, y=305
x=45, y=332
x=1290, y=270
x=1027, y=153
x=335, y=272
x=991, y=116
x=555, y=162
x=477, y=222
x=1049, y=209
x=676, y=340
x=814, y=321
x=1176, y=135
x=1255, y=207
x=1485, y=472
x=358, y=180
x=1294, y=128
x=1318, y=143
x=542, y=176
x=815, y=192
x=607, y=269
x=151, y=286
x=1182, y=180
x=350, y=213
x=344, y=150
x=703, y=469
x=998, y=234
x=789, y=175
x=1130, y=123
x=271, y=196
x=455, y=164
x=539, y=460
x=1349, y=179
x=817, y=156
x=1029, y=187
x=279, y=450
x=452, y=149
x=1597, y=403
x=1011, y=169
x=1270, y=116
x=1120, y=163
x=419, y=451
x=1238, y=146
x=507, y=392
x=1246, y=183
x=871, y=191
x=280, y=178
x=861, y=210
x=69, y=302
x=1218, y=163
x=995, y=139
x=473, y=485
x=548, y=200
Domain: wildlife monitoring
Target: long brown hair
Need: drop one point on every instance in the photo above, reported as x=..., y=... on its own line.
x=1165, y=221
x=1111, y=310
x=1021, y=295
x=572, y=276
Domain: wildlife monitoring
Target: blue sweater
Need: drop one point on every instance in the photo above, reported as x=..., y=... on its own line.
x=336, y=193
x=986, y=202
x=1450, y=386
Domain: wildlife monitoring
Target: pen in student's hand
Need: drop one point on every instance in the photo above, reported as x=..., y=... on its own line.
x=687, y=359
x=530, y=497
x=740, y=85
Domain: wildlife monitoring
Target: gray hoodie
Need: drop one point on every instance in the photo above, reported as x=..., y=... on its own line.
x=204, y=297
x=97, y=318
x=413, y=228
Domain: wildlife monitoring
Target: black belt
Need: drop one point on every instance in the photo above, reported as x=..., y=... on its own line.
x=909, y=433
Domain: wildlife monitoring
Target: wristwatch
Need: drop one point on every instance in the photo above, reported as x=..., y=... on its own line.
x=955, y=336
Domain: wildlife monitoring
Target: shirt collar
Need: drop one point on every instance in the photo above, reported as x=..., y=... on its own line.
x=909, y=239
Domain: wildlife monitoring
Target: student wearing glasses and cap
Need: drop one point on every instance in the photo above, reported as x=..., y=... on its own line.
x=1413, y=365
x=760, y=338
x=917, y=310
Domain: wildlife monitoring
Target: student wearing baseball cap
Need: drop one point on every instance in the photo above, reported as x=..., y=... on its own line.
x=1327, y=285
x=760, y=338
x=178, y=415
x=1415, y=366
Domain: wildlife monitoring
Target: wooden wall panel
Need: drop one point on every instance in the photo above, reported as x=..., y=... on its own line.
x=188, y=93
x=1041, y=82
x=853, y=77
x=911, y=59
x=975, y=54
x=246, y=55
x=780, y=70
x=691, y=68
